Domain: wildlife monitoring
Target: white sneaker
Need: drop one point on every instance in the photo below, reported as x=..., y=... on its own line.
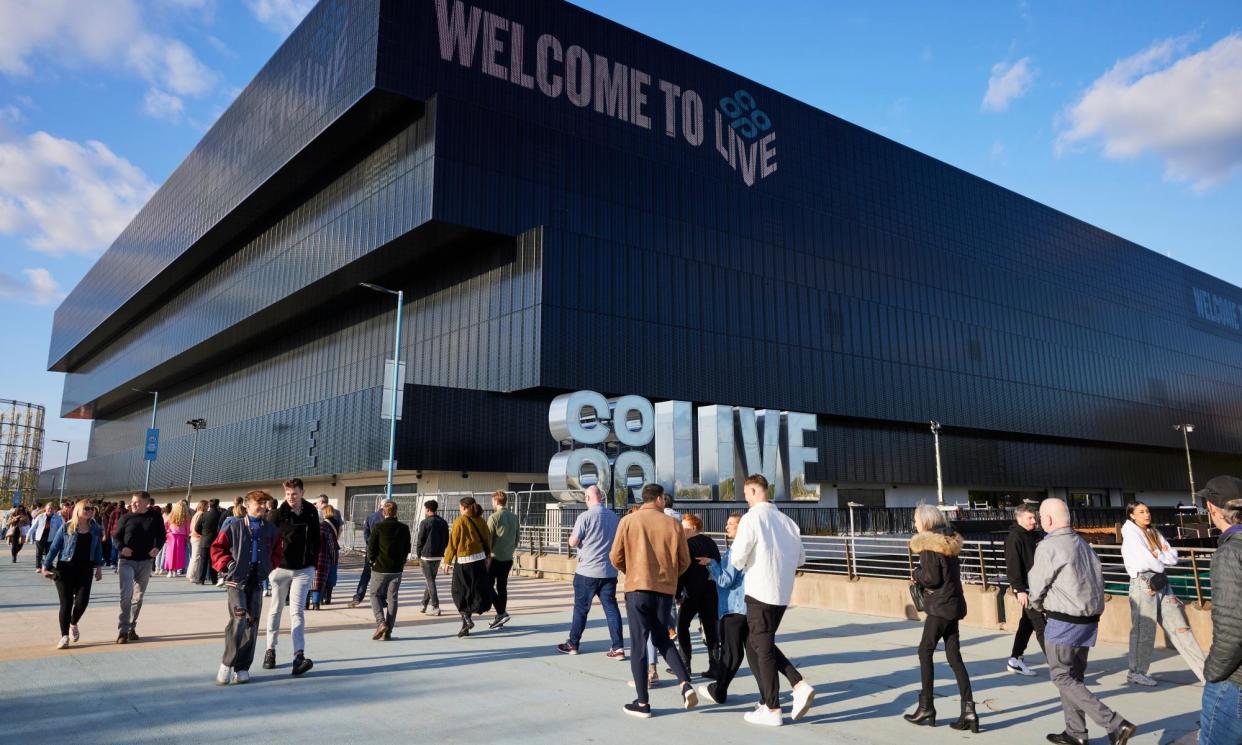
x=64, y=642
x=1142, y=680
x=241, y=676
x=765, y=716
x=1019, y=666
x=73, y=633
x=222, y=677
x=803, y=695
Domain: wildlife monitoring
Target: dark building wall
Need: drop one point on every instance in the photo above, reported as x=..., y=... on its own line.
x=322, y=70
x=548, y=246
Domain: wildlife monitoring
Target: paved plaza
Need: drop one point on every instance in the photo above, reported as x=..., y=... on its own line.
x=509, y=686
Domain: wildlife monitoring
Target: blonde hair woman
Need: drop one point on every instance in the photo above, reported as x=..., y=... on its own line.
x=76, y=550
x=938, y=575
x=176, y=539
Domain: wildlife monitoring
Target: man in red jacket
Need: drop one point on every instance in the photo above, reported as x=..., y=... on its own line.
x=244, y=554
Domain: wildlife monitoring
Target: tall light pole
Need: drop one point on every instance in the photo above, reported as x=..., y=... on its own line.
x=197, y=424
x=1186, y=429
x=396, y=384
x=64, y=472
x=935, y=428
x=155, y=405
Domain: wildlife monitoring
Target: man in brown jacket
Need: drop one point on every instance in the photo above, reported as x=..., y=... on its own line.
x=651, y=551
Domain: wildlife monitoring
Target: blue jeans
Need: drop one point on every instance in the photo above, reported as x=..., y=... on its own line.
x=1221, y=721
x=585, y=590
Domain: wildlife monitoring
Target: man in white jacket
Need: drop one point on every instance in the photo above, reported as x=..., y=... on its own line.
x=769, y=549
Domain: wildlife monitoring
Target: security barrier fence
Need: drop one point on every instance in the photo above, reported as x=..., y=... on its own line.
x=545, y=522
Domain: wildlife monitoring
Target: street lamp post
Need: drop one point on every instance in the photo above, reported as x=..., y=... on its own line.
x=155, y=405
x=64, y=472
x=396, y=383
x=935, y=428
x=1186, y=429
x=197, y=424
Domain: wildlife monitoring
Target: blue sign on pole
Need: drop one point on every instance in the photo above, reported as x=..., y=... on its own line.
x=153, y=444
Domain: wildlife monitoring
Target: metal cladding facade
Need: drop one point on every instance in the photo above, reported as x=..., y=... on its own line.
x=572, y=205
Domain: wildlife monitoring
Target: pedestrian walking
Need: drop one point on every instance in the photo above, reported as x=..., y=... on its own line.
x=466, y=557
x=74, y=558
x=594, y=576
x=1147, y=554
x=17, y=527
x=389, y=549
x=42, y=528
x=769, y=549
x=1019, y=555
x=103, y=516
x=298, y=522
x=209, y=528
x=139, y=537
x=110, y=531
x=650, y=549
x=199, y=551
x=433, y=535
x=177, y=540
x=364, y=581
x=1066, y=583
x=938, y=577
x=502, y=524
x=698, y=594
x=244, y=553
x=165, y=511
x=1221, y=720
x=325, y=565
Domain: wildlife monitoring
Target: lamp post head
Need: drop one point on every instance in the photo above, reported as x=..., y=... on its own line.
x=935, y=426
x=377, y=288
x=198, y=423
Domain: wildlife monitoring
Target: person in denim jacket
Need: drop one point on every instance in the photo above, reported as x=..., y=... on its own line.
x=74, y=558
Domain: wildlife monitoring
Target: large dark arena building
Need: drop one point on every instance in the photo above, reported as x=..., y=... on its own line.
x=569, y=205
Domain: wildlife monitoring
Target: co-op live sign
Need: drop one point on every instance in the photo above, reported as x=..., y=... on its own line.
x=741, y=130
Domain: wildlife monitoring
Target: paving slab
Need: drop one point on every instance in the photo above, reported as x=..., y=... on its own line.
x=507, y=686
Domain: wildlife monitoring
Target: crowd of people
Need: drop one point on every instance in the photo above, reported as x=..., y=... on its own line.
x=289, y=549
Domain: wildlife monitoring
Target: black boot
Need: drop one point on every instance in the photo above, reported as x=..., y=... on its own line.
x=924, y=715
x=969, y=719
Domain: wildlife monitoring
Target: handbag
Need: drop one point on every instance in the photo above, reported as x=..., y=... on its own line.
x=916, y=596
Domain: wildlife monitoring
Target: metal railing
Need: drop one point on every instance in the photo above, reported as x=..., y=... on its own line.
x=982, y=562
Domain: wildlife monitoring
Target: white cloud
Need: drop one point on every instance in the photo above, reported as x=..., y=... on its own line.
x=161, y=105
x=37, y=287
x=999, y=155
x=282, y=16
x=105, y=33
x=1007, y=83
x=1184, y=108
x=65, y=197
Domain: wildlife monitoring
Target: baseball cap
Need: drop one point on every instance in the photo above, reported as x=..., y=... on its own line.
x=1221, y=490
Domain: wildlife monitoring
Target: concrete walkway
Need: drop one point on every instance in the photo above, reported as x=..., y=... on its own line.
x=509, y=686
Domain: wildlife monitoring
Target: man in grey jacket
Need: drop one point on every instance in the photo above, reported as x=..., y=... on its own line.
x=1066, y=584
x=1222, y=693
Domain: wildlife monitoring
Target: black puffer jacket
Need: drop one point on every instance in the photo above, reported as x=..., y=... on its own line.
x=1020, y=555
x=1224, y=661
x=300, y=532
x=939, y=572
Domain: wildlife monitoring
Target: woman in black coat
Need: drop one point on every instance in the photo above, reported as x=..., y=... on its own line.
x=938, y=574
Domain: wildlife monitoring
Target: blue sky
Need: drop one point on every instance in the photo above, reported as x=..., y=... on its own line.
x=1126, y=115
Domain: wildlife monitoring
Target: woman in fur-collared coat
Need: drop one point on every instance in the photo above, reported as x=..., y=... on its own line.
x=938, y=573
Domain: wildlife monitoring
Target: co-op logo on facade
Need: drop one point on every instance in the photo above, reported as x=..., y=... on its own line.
x=500, y=47
x=607, y=440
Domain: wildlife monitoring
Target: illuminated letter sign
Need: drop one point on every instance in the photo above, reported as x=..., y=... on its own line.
x=732, y=442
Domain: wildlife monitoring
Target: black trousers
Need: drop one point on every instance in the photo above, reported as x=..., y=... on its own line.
x=363, y=581
x=17, y=547
x=730, y=653
x=41, y=548
x=765, y=658
x=499, y=573
x=245, y=603
x=206, y=572
x=702, y=604
x=1031, y=621
x=74, y=589
x=649, y=613
x=935, y=629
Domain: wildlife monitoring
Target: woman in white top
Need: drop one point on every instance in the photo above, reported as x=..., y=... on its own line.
x=1147, y=554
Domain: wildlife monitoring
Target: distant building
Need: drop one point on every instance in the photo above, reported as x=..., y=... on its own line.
x=21, y=451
